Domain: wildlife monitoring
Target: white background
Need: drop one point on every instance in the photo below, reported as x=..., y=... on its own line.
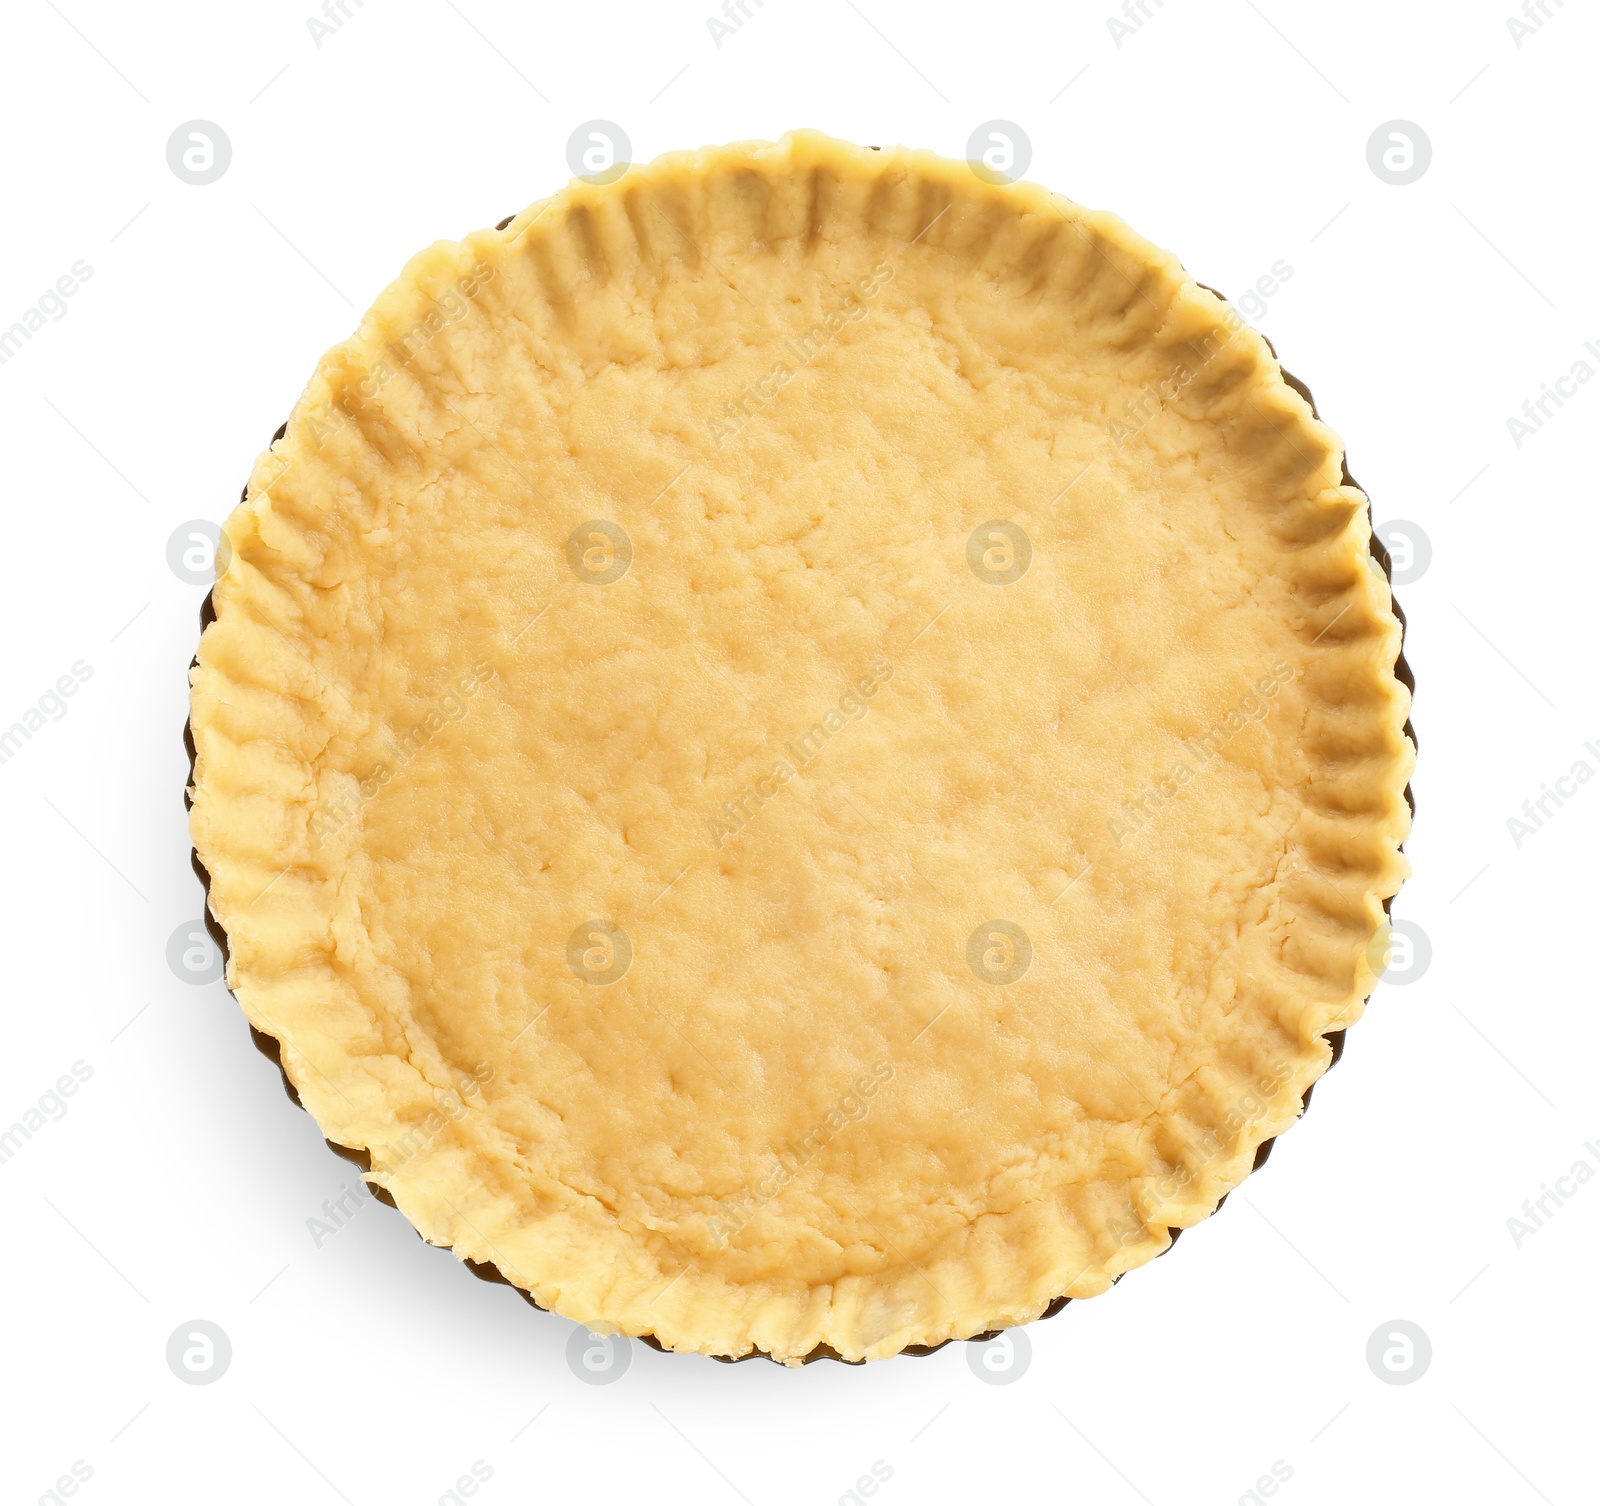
x=374, y=1369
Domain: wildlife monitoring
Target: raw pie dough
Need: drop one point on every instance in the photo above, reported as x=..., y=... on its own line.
x=803, y=747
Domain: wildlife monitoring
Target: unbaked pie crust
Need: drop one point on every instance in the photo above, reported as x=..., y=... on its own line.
x=803, y=748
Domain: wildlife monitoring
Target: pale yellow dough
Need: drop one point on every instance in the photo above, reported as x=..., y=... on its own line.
x=432, y=748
